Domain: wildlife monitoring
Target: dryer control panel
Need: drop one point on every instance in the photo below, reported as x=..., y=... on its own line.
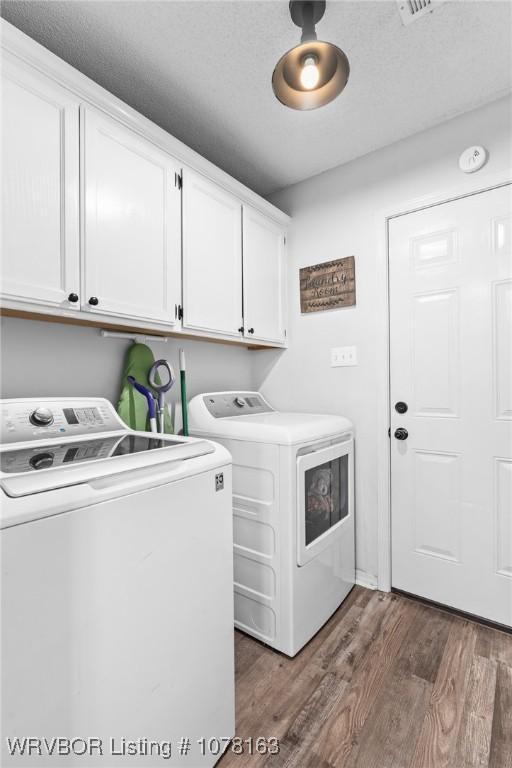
x=31, y=419
x=223, y=404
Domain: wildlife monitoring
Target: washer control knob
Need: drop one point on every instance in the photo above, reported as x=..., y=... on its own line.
x=41, y=417
x=240, y=402
x=41, y=461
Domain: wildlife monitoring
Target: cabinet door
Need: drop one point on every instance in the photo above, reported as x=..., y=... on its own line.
x=264, y=284
x=40, y=188
x=132, y=232
x=212, y=257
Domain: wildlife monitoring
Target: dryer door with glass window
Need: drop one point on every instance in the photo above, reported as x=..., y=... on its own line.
x=324, y=497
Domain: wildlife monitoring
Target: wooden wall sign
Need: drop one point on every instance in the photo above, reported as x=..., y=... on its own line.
x=330, y=285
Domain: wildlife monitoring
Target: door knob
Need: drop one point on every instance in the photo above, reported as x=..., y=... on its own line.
x=93, y=301
x=73, y=298
x=251, y=330
x=401, y=407
x=401, y=433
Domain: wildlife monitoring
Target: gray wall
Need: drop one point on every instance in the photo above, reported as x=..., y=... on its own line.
x=49, y=359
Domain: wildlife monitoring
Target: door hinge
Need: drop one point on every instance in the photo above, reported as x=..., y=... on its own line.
x=178, y=180
x=180, y=312
x=284, y=239
x=285, y=333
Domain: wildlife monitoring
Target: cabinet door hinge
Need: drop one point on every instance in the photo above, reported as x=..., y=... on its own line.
x=180, y=312
x=178, y=180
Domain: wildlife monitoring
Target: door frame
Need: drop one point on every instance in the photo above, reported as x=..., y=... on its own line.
x=472, y=187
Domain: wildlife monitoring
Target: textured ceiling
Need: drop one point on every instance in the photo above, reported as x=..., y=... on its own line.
x=202, y=71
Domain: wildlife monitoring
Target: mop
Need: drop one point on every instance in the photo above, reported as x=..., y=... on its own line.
x=183, y=380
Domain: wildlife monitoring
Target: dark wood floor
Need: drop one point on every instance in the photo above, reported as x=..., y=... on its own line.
x=387, y=683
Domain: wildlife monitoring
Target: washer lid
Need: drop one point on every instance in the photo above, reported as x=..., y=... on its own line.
x=276, y=427
x=38, y=468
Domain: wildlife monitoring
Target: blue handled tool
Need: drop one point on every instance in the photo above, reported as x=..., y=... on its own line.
x=150, y=400
x=161, y=387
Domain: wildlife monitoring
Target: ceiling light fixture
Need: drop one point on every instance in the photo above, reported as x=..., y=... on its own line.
x=313, y=73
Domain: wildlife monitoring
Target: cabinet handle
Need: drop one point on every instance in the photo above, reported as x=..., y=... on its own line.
x=93, y=301
x=251, y=330
x=73, y=298
x=241, y=329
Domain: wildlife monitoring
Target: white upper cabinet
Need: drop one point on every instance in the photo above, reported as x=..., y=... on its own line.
x=40, y=190
x=212, y=257
x=132, y=228
x=98, y=230
x=264, y=277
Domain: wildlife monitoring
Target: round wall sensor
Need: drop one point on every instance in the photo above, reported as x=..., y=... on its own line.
x=472, y=159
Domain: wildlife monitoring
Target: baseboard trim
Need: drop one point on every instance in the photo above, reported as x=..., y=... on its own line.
x=364, y=579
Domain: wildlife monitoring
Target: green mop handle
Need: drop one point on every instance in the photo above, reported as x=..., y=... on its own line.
x=183, y=380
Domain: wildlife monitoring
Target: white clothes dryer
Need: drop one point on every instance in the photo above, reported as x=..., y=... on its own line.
x=293, y=513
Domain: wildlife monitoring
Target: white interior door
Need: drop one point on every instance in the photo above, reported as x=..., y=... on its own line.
x=264, y=292
x=132, y=228
x=212, y=257
x=451, y=364
x=40, y=188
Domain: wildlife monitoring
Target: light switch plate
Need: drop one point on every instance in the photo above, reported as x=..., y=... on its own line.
x=342, y=356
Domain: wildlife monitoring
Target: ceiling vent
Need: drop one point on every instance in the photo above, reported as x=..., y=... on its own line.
x=411, y=10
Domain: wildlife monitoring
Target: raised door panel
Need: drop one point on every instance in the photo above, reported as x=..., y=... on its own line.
x=212, y=257
x=263, y=260
x=132, y=232
x=502, y=348
x=435, y=355
x=436, y=508
x=503, y=515
x=40, y=189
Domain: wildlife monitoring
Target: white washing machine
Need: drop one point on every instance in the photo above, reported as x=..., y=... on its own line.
x=117, y=602
x=293, y=513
